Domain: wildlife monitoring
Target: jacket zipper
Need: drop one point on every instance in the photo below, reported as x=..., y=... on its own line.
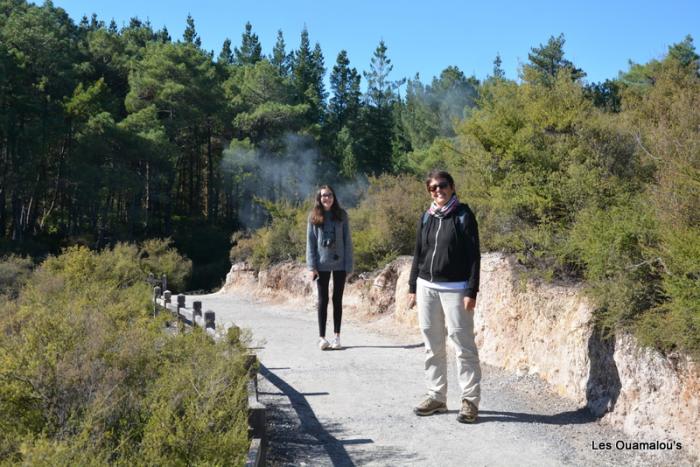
x=432, y=260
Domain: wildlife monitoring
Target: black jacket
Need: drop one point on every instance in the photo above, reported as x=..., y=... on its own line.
x=444, y=255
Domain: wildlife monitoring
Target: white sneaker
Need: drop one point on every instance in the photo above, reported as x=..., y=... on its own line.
x=335, y=345
x=323, y=344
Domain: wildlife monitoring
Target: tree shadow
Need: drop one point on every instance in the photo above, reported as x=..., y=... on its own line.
x=603, y=386
x=573, y=417
x=310, y=425
x=408, y=346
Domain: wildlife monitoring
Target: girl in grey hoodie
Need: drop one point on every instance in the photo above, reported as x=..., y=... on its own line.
x=328, y=251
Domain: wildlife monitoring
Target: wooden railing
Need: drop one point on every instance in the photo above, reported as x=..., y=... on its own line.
x=193, y=316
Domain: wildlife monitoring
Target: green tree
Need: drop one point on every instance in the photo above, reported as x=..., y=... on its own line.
x=498, y=72
x=546, y=61
x=262, y=100
x=307, y=78
x=250, y=51
x=345, y=84
x=226, y=55
x=341, y=131
x=432, y=111
x=378, y=120
x=182, y=83
x=280, y=58
x=190, y=35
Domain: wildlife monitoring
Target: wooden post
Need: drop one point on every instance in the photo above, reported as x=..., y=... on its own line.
x=164, y=279
x=209, y=319
x=156, y=294
x=180, y=305
x=197, y=306
x=166, y=301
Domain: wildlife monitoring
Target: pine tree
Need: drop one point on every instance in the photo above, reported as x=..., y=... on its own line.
x=307, y=77
x=378, y=119
x=684, y=53
x=318, y=72
x=190, y=35
x=345, y=84
x=250, y=51
x=279, y=58
x=547, y=60
x=163, y=35
x=380, y=91
x=226, y=55
x=498, y=72
x=302, y=73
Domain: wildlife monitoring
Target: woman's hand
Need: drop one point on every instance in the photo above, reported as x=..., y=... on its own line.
x=469, y=303
x=411, y=300
x=313, y=274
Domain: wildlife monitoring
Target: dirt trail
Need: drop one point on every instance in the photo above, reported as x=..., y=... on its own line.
x=353, y=406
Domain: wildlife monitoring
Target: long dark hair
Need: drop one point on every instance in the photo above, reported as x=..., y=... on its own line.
x=316, y=216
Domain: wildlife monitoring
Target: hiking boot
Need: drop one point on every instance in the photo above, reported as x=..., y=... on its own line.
x=323, y=344
x=335, y=344
x=468, y=412
x=429, y=407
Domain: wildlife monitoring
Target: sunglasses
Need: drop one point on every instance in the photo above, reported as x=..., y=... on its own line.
x=441, y=185
x=326, y=195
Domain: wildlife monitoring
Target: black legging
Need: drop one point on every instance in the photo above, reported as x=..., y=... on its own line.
x=324, y=278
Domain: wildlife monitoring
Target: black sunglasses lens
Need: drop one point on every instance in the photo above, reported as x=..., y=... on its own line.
x=441, y=185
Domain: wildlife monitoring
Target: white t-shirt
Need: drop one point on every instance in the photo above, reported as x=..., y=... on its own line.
x=442, y=285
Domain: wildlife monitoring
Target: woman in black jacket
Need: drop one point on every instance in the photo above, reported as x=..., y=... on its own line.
x=444, y=282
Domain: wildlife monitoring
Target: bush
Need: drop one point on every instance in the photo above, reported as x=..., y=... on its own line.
x=88, y=377
x=14, y=272
x=284, y=237
x=384, y=224
x=616, y=247
x=160, y=257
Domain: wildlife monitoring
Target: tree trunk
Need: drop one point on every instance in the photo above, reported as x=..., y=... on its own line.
x=211, y=199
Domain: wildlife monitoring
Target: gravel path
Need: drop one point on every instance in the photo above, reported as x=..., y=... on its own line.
x=353, y=406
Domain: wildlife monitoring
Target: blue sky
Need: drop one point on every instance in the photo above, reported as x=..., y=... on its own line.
x=425, y=37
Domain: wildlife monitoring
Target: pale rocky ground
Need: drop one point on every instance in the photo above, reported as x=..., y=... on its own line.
x=353, y=407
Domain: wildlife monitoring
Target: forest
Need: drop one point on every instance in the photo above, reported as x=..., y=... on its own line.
x=112, y=135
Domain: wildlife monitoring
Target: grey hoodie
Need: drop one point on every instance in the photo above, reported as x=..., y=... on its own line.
x=329, y=246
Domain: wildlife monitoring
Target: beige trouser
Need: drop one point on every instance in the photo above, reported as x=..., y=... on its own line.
x=437, y=308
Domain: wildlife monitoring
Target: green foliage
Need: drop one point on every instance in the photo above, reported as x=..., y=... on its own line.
x=283, y=238
x=384, y=224
x=547, y=61
x=14, y=272
x=432, y=111
x=616, y=243
x=158, y=256
x=88, y=377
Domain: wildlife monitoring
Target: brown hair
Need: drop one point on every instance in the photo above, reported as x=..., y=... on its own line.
x=437, y=174
x=316, y=215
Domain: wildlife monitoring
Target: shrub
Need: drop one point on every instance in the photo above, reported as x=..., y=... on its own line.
x=14, y=272
x=384, y=224
x=88, y=377
x=160, y=257
x=616, y=247
x=283, y=238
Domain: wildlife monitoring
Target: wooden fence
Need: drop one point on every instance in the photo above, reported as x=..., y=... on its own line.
x=193, y=316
